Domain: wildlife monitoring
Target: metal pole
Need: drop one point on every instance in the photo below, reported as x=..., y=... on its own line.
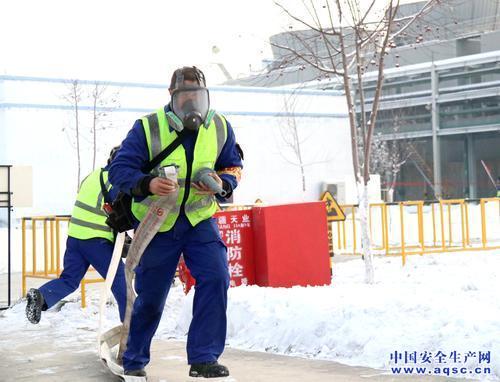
x=436, y=152
x=471, y=167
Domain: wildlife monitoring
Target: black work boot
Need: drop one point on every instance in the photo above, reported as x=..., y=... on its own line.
x=34, y=306
x=138, y=375
x=135, y=373
x=208, y=370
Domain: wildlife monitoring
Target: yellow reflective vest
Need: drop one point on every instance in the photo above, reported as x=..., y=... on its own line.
x=88, y=219
x=208, y=146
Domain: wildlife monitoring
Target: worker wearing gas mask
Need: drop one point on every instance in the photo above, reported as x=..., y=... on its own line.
x=207, y=149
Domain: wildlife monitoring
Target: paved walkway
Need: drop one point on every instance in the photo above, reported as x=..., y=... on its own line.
x=47, y=361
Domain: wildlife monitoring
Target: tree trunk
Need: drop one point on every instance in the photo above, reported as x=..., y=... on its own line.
x=303, y=178
x=365, y=232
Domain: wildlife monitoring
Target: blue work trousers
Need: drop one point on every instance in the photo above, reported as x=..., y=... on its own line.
x=205, y=255
x=79, y=255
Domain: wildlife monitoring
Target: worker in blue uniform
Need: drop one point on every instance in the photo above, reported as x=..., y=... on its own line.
x=90, y=242
x=207, y=141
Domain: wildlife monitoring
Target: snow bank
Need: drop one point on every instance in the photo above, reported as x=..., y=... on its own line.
x=436, y=303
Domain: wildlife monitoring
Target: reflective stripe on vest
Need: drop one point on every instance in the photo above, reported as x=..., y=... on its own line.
x=206, y=201
x=88, y=220
x=208, y=146
x=87, y=224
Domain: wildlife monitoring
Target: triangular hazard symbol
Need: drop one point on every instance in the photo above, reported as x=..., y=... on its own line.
x=333, y=210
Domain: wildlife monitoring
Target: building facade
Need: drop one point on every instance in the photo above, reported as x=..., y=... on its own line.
x=440, y=104
x=444, y=118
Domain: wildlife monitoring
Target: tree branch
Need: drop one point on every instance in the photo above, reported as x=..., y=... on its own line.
x=300, y=20
x=378, y=91
x=427, y=7
x=302, y=57
x=350, y=103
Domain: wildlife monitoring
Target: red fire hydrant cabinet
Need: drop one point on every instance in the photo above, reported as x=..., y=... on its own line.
x=291, y=245
x=275, y=246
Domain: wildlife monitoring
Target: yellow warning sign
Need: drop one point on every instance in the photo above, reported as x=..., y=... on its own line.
x=333, y=210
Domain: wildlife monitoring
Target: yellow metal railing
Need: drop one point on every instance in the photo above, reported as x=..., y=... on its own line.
x=341, y=226
x=418, y=227
x=385, y=232
x=483, y=219
x=50, y=266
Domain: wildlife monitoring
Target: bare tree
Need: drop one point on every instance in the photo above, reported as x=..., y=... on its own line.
x=74, y=97
x=354, y=38
x=290, y=135
x=387, y=160
x=289, y=131
x=102, y=104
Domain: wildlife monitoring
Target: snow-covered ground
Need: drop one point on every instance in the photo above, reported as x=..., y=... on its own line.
x=443, y=302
